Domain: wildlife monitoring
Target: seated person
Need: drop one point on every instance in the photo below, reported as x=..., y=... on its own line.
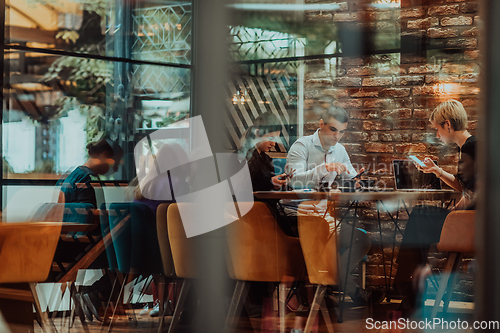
x=155, y=189
x=77, y=186
x=104, y=157
x=317, y=159
x=426, y=222
x=258, y=140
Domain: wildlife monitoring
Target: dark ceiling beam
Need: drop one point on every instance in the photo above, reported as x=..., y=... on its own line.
x=21, y=34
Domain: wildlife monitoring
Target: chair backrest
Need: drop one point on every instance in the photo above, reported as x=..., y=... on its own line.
x=49, y=212
x=458, y=233
x=74, y=212
x=135, y=240
x=27, y=251
x=319, y=247
x=164, y=242
x=183, y=248
x=259, y=250
x=108, y=242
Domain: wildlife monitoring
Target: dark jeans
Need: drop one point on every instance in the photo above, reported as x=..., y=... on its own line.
x=422, y=230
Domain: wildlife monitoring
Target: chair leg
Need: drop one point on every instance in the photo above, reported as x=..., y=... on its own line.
x=159, y=280
x=363, y=274
x=105, y=315
x=77, y=307
x=444, y=283
x=162, y=296
x=239, y=296
x=282, y=306
x=165, y=295
x=324, y=311
x=132, y=277
x=449, y=291
x=43, y=315
x=3, y=325
x=315, y=306
x=186, y=285
x=120, y=300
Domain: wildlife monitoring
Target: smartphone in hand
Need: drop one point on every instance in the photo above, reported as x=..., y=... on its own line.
x=415, y=159
x=358, y=176
x=287, y=175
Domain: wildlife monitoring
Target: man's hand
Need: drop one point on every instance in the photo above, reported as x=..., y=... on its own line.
x=277, y=182
x=336, y=167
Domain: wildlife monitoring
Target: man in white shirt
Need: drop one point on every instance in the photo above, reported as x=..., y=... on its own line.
x=319, y=158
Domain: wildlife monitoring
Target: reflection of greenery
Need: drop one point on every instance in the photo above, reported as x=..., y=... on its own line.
x=318, y=34
x=95, y=6
x=84, y=78
x=95, y=122
x=319, y=29
x=45, y=167
x=170, y=119
x=6, y=167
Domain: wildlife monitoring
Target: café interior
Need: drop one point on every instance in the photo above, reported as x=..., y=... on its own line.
x=249, y=166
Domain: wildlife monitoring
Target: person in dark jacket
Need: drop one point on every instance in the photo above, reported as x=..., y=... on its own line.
x=259, y=139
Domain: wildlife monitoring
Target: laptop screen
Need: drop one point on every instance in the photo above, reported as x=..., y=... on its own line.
x=407, y=177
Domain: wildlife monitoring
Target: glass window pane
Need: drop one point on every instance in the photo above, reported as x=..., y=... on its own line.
x=156, y=32
x=67, y=102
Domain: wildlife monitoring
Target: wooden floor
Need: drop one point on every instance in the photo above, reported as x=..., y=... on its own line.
x=354, y=322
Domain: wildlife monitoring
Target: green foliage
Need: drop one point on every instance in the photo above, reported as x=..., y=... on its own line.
x=170, y=119
x=83, y=78
x=6, y=166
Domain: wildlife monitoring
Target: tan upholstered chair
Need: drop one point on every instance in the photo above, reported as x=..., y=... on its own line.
x=166, y=253
x=183, y=251
x=457, y=237
x=321, y=257
x=26, y=254
x=260, y=251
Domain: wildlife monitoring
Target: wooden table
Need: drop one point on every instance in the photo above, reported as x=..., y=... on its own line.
x=359, y=196
x=356, y=197
x=65, y=226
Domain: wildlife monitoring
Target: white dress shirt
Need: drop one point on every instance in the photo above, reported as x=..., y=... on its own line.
x=308, y=158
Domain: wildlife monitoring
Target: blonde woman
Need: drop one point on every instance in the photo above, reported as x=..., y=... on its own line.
x=425, y=223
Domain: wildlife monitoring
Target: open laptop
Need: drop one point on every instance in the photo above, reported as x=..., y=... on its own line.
x=408, y=178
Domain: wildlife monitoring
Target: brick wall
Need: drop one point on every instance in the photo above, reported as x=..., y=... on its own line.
x=390, y=96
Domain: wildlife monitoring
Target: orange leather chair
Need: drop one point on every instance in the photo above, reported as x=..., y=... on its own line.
x=26, y=254
x=183, y=252
x=259, y=251
x=321, y=257
x=457, y=237
x=166, y=254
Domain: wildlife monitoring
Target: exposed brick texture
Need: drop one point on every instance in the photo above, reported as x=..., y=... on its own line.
x=390, y=97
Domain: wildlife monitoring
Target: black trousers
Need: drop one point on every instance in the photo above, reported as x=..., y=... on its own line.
x=422, y=230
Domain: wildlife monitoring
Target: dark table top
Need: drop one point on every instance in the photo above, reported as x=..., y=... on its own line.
x=359, y=196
